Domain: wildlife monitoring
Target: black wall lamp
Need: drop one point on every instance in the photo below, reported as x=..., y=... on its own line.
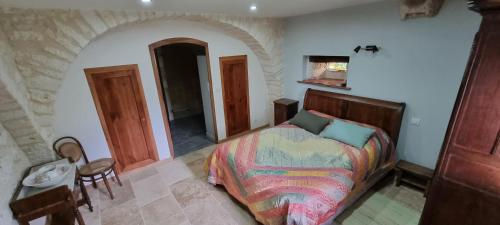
x=368, y=48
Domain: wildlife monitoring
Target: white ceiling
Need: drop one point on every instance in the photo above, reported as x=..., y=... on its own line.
x=266, y=8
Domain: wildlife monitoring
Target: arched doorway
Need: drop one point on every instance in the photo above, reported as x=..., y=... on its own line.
x=184, y=83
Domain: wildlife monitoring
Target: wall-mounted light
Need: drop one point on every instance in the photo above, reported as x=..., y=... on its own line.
x=368, y=48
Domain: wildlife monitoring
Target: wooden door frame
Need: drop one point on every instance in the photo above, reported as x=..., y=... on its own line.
x=148, y=129
x=229, y=58
x=164, y=108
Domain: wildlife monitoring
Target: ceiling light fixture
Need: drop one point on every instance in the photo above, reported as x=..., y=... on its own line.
x=147, y=1
x=253, y=8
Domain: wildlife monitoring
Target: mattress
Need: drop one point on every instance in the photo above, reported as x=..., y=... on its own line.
x=286, y=175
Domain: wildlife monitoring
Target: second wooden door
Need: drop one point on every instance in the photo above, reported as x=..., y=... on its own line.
x=120, y=103
x=234, y=76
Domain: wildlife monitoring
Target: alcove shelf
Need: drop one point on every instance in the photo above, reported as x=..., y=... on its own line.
x=320, y=84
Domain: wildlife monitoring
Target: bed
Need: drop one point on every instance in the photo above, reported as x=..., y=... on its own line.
x=286, y=175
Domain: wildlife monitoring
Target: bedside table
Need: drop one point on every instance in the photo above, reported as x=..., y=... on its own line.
x=418, y=176
x=284, y=109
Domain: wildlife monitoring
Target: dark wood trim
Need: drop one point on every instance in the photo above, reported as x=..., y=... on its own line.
x=221, y=61
x=328, y=59
x=164, y=109
x=484, y=6
x=463, y=190
x=324, y=85
x=148, y=129
x=380, y=113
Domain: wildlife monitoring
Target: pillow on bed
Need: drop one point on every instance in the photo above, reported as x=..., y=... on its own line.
x=309, y=121
x=321, y=114
x=348, y=133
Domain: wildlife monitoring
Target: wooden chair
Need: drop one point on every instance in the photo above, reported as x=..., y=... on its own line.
x=90, y=172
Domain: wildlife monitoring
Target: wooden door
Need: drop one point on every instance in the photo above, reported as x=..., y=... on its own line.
x=234, y=76
x=122, y=109
x=466, y=187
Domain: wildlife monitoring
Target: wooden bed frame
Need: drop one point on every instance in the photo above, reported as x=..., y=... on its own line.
x=380, y=113
x=384, y=114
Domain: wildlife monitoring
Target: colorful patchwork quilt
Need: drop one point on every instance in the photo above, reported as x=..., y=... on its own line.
x=286, y=175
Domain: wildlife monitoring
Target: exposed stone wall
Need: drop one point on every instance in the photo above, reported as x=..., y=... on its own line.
x=13, y=163
x=45, y=42
x=15, y=112
x=15, y=119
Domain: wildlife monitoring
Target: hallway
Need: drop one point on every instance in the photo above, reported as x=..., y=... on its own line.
x=189, y=134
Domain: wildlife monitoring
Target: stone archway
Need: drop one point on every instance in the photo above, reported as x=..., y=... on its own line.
x=45, y=42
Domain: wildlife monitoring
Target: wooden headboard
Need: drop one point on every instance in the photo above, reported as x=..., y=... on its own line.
x=384, y=114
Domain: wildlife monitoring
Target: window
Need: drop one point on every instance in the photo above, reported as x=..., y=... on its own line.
x=330, y=71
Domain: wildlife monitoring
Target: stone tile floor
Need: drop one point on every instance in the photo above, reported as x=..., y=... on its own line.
x=175, y=192
x=189, y=134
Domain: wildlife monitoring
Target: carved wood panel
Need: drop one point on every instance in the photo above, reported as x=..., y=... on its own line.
x=466, y=186
x=384, y=114
x=473, y=159
x=479, y=124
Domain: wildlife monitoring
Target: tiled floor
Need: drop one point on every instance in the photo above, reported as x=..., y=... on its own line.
x=175, y=192
x=189, y=134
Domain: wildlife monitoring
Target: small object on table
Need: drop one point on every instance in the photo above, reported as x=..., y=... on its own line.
x=415, y=175
x=47, y=176
x=284, y=110
x=29, y=203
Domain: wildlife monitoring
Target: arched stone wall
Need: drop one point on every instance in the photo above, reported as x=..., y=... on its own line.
x=45, y=42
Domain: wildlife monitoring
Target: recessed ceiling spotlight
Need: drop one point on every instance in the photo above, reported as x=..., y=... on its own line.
x=253, y=8
x=147, y=1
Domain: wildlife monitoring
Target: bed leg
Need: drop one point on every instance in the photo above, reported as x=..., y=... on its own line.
x=399, y=174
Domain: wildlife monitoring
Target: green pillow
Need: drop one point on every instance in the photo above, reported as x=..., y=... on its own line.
x=348, y=133
x=309, y=121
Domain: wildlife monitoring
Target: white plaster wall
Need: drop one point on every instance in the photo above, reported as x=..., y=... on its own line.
x=165, y=87
x=422, y=62
x=75, y=112
x=205, y=95
x=13, y=163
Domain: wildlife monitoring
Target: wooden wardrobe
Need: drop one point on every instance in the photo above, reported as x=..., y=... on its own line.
x=466, y=186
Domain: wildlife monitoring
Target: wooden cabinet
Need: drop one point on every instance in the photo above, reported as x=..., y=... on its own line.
x=466, y=187
x=284, y=109
x=61, y=202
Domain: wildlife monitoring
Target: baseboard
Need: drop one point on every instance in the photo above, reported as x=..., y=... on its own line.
x=210, y=136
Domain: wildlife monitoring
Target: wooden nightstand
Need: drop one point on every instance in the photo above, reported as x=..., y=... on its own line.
x=413, y=174
x=284, y=109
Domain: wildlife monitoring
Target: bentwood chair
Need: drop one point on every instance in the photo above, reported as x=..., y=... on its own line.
x=71, y=148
